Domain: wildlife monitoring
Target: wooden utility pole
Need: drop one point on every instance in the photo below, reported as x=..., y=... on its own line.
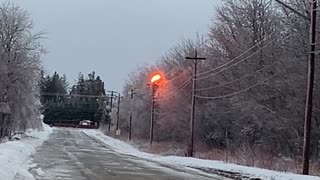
x=309, y=98
x=195, y=60
x=156, y=78
x=118, y=111
x=310, y=83
x=130, y=116
x=152, y=111
x=111, y=106
x=103, y=105
x=111, y=100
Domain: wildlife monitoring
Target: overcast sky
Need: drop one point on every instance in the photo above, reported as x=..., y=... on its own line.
x=113, y=37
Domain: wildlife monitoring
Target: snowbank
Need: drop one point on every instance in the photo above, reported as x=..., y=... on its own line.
x=13, y=154
x=125, y=148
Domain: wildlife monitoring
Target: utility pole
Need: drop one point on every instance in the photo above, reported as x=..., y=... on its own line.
x=195, y=60
x=111, y=100
x=111, y=106
x=130, y=116
x=310, y=83
x=155, y=80
x=308, y=110
x=118, y=112
x=102, y=105
x=152, y=112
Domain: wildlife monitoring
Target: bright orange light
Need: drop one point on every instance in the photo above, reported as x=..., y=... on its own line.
x=155, y=78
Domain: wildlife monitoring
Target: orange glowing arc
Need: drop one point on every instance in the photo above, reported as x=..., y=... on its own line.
x=155, y=78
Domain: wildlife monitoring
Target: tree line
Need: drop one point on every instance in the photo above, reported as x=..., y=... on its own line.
x=64, y=104
x=250, y=90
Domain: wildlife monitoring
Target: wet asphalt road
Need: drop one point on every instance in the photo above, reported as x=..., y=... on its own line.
x=71, y=154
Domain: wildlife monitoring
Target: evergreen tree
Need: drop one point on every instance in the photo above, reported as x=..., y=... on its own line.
x=53, y=87
x=81, y=104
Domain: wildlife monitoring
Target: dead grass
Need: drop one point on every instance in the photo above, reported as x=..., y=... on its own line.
x=248, y=157
x=164, y=148
x=242, y=155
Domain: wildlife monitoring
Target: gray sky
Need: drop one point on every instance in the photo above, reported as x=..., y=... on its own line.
x=113, y=37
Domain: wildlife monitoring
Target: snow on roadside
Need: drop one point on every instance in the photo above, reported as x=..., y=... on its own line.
x=125, y=148
x=14, y=154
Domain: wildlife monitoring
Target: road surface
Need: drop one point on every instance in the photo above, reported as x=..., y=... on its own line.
x=71, y=154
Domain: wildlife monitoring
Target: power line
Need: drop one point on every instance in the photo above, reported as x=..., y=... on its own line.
x=236, y=93
x=146, y=101
x=73, y=95
x=181, y=87
x=238, y=79
x=294, y=10
x=223, y=69
x=175, y=78
x=231, y=61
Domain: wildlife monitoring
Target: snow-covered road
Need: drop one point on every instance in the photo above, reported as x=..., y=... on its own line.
x=72, y=154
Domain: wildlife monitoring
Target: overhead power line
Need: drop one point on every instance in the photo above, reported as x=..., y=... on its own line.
x=294, y=10
x=244, y=59
x=74, y=95
x=181, y=87
x=234, y=59
x=238, y=79
x=146, y=101
x=238, y=92
x=175, y=78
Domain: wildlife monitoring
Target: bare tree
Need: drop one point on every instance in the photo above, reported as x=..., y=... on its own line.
x=20, y=67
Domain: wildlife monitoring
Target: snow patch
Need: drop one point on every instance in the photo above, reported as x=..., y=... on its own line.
x=40, y=172
x=14, y=154
x=125, y=148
